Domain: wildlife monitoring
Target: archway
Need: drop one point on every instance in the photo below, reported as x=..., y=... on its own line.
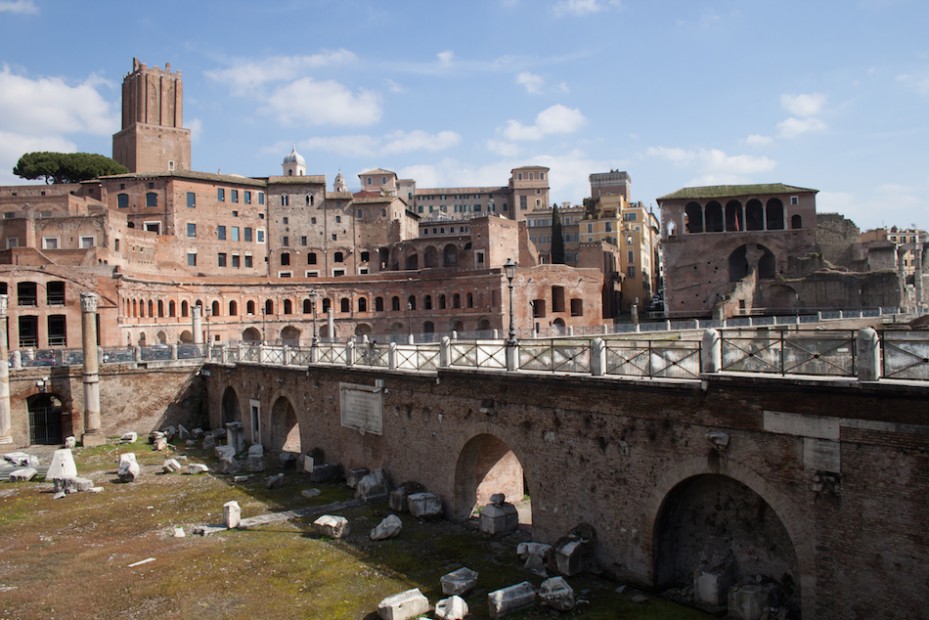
x=430, y=257
x=251, y=336
x=285, y=432
x=559, y=327
x=290, y=336
x=712, y=521
x=450, y=255
x=486, y=466
x=186, y=337
x=230, y=407
x=45, y=420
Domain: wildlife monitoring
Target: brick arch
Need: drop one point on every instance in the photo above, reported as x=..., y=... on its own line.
x=281, y=434
x=473, y=452
x=790, y=516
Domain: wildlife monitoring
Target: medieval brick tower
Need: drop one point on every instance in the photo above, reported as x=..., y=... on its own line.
x=152, y=138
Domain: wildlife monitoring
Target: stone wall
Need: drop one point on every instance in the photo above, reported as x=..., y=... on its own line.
x=616, y=454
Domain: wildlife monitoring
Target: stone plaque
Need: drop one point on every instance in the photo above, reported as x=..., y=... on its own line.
x=362, y=407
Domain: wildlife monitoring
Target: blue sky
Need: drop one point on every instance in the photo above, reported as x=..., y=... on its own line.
x=831, y=95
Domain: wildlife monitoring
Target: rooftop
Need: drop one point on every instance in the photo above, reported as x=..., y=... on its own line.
x=733, y=191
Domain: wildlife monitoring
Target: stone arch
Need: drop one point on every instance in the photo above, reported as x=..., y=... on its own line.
x=753, y=256
x=450, y=255
x=251, y=335
x=676, y=477
x=362, y=329
x=230, y=409
x=483, y=325
x=161, y=337
x=714, y=217
x=46, y=415
x=558, y=327
x=487, y=465
x=411, y=263
x=290, y=336
x=782, y=298
x=735, y=220
x=796, y=221
x=774, y=214
x=186, y=337
x=285, y=431
x=430, y=257
x=754, y=215
x=693, y=217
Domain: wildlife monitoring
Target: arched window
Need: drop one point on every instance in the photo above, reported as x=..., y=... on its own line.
x=215, y=308
x=427, y=302
x=172, y=308
x=442, y=304
x=307, y=306
x=754, y=215
x=456, y=300
x=151, y=308
x=327, y=303
x=339, y=257
x=714, y=217
x=735, y=220
x=288, y=306
x=469, y=300
x=233, y=308
x=378, y=304
x=774, y=214
x=362, y=304
x=311, y=258
x=345, y=305
x=249, y=307
x=796, y=222
x=693, y=214
x=185, y=309
x=269, y=307
x=411, y=302
x=395, y=303
x=161, y=308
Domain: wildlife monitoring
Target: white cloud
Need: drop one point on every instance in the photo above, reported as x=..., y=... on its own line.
x=311, y=102
x=793, y=127
x=917, y=83
x=446, y=57
x=389, y=144
x=48, y=106
x=583, y=7
x=557, y=119
x=405, y=142
x=530, y=81
x=805, y=104
x=713, y=166
x=246, y=77
x=395, y=87
x=758, y=140
x=23, y=7
x=501, y=148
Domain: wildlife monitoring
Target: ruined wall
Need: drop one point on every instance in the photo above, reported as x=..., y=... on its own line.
x=612, y=453
x=139, y=400
x=835, y=235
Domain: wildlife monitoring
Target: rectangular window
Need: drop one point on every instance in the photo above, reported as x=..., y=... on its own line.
x=88, y=242
x=50, y=243
x=522, y=203
x=795, y=200
x=191, y=259
x=248, y=234
x=235, y=195
x=248, y=197
x=236, y=261
x=285, y=241
x=285, y=274
x=260, y=235
x=338, y=273
x=151, y=199
x=192, y=231
x=286, y=220
x=221, y=233
x=261, y=198
x=12, y=242
x=338, y=219
x=248, y=262
x=303, y=240
x=122, y=201
x=154, y=227
x=235, y=233
x=312, y=274
x=335, y=237
x=191, y=200
x=221, y=194
x=221, y=259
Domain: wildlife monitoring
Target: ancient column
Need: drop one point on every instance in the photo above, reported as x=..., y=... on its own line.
x=197, y=326
x=6, y=430
x=92, y=433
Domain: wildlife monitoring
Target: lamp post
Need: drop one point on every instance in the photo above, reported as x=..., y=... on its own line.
x=409, y=321
x=509, y=268
x=208, y=312
x=313, y=295
x=263, y=340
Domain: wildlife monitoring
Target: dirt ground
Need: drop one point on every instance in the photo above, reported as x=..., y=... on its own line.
x=114, y=554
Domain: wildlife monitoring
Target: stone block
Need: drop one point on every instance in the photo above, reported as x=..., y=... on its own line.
x=160, y=444
x=499, y=518
x=332, y=526
x=288, y=460
x=225, y=452
x=749, y=601
x=171, y=466
x=425, y=505
x=557, y=594
x=372, y=487
x=398, y=497
x=197, y=468
x=62, y=465
x=78, y=485
x=256, y=449
x=275, y=482
x=21, y=459
x=511, y=599
x=309, y=493
x=209, y=442
x=23, y=474
x=329, y=472
x=459, y=581
x=130, y=437
x=452, y=608
x=354, y=476
x=232, y=514
x=129, y=470
x=255, y=463
x=710, y=588
x=573, y=556
x=403, y=606
x=389, y=527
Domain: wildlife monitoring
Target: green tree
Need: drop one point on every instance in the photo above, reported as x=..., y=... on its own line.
x=66, y=167
x=557, y=237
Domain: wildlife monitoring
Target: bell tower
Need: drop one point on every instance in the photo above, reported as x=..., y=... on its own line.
x=152, y=138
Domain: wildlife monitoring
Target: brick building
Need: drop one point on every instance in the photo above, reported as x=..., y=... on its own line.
x=162, y=240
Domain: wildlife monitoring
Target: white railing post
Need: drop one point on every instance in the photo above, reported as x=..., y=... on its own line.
x=512, y=357
x=350, y=353
x=445, y=352
x=597, y=357
x=392, y=356
x=711, y=353
x=869, y=355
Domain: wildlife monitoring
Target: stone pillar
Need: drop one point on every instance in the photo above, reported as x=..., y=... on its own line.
x=512, y=357
x=392, y=356
x=597, y=357
x=331, y=319
x=445, y=352
x=711, y=353
x=92, y=433
x=6, y=423
x=350, y=353
x=869, y=355
x=197, y=324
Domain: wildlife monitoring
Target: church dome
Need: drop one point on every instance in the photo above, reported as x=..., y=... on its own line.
x=294, y=157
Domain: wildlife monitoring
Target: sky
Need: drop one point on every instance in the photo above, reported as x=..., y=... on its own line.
x=831, y=95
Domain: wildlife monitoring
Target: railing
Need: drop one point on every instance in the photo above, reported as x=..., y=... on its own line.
x=825, y=353
x=790, y=351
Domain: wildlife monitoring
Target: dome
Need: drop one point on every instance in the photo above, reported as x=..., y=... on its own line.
x=294, y=157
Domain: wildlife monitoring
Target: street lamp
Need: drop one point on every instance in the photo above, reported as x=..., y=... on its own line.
x=509, y=268
x=313, y=295
x=409, y=321
x=208, y=312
